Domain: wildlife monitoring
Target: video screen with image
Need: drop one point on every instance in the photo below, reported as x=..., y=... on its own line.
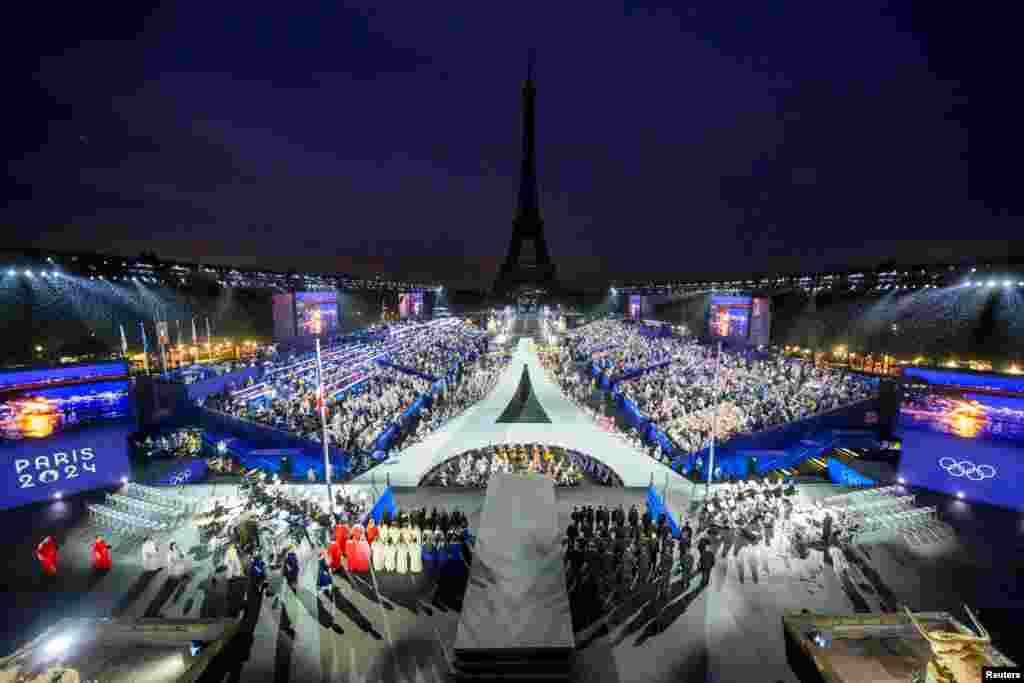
x=410, y=304
x=63, y=435
x=316, y=313
x=969, y=445
x=729, y=317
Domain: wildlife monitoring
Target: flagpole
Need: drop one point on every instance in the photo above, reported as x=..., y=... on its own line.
x=145, y=347
x=209, y=339
x=322, y=401
x=714, y=424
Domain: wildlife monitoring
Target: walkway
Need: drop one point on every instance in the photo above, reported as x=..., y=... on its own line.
x=569, y=427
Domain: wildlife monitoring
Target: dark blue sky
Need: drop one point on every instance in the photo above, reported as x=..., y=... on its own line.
x=690, y=140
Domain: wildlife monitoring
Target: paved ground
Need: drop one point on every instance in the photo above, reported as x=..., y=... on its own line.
x=727, y=631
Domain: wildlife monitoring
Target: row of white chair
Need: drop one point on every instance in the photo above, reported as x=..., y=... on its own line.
x=143, y=507
x=124, y=523
x=154, y=494
x=844, y=499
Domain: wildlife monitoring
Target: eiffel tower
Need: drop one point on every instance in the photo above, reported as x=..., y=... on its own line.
x=528, y=266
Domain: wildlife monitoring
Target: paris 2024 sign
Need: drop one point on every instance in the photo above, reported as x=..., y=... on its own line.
x=63, y=431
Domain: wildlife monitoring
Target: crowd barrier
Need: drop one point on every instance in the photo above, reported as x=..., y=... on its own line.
x=782, y=447
x=220, y=383
x=257, y=442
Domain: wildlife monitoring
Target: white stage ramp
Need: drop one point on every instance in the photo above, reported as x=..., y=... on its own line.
x=477, y=427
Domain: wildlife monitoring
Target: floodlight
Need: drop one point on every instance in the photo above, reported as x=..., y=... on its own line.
x=1006, y=283
x=901, y=480
x=58, y=645
x=58, y=495
x=991, y=283
x=12, y=272
x=960, y=495
x=28, y=273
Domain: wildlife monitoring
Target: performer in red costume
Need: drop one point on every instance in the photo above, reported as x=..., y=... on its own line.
x=341, y=534
x=358, y=551
x=336, y=555
x=101, y=559
x=371, y=531
x=47, y=554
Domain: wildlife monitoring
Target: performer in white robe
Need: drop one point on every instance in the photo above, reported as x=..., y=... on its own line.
x=150, y=555
x=177, y=565
x=378, y=550
x=416, y=552
x=390, y=551
x=234, y=563
x=402, y=554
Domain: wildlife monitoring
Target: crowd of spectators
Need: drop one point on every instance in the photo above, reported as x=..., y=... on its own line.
x=476, y=382
x=618, y=348
x=474, y=469
x=438, y=352
x=354, y=420
x=752, y=394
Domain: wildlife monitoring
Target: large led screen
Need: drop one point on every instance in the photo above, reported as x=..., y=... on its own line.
x=729, y=317
x=970, y=445
x=636, y=307
x=316, y=313
x=63, y=437
x=410, y=304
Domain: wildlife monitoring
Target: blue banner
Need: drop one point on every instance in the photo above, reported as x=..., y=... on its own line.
x=385, y=502
x=657, y=506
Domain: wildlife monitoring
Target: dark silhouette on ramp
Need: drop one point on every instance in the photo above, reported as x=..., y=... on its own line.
x=524, y=406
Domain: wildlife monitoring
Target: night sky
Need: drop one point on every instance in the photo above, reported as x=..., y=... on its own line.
x=700, y=139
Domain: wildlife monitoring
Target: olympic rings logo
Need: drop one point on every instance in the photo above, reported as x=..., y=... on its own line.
x=966, y=468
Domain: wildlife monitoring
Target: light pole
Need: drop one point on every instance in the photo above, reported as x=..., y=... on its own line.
x=714, y=425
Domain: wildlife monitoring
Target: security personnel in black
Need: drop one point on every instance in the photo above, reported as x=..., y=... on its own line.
x=576, y=558
x=588, y=530
x=588, y=516
x=663, y=528
x=686, y=569
x=619, y=515
x=634, y=516
x=686, y=535
x=572, y=533
x=652, y=554
x=643, y=560
x=664, y=570
x=826, y=530
x=575, y=514
x=433, y=520
x=592, y=557
x=621, y=540
x=608, y=567
x=445, y=522
x=602, y=515
x=707, y=563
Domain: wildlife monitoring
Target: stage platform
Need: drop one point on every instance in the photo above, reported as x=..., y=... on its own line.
x=569, y=427
x=515, y=615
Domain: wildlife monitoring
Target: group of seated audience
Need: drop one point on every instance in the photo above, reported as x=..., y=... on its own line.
x=618, y=348
x=474, y=468
x=436, y=353
x=354, y=420
x=474, y=384
x=751, y=394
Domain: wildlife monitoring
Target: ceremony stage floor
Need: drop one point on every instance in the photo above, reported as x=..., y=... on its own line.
x=569, y=427
x=729, y=631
